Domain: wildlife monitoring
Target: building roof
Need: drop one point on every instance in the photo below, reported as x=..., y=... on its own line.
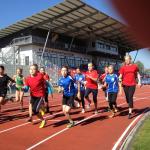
x=77, y=19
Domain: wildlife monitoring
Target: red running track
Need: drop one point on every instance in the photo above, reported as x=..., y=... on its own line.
x=93, y=132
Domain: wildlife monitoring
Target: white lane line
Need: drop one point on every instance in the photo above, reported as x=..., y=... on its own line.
x=24, y=125
x=65, y=129
x=126, y=130
x=57, y=133
x=9, y=129
x=6, y=109
x=59, y=100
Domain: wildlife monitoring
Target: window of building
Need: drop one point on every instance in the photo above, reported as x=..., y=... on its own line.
x=27, y=60
x=93, y=44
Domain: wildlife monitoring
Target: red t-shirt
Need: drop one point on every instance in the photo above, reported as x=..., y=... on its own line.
x=129, y=74
x=90, y=83
x=46, y=76
x=102, y=77
x=36, y=84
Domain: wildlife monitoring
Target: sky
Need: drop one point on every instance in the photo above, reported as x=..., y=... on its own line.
x=12, y=11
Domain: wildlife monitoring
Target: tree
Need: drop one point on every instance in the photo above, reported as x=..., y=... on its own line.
x=141, y=66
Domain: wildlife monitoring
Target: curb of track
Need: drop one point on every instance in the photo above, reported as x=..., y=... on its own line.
x=126, y=145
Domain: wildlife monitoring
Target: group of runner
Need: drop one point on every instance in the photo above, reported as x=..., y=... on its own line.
x=75, y=89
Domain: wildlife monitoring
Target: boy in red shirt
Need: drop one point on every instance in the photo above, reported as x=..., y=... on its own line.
x=36, y=83
x=91, y=85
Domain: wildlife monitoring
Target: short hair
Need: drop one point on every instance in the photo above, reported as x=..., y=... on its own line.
x=43, y=68
x=111, y=66
x=65, y=67
x=78, y=68
x=36, y=66
x=106, y=66
x=90, y=63
x=20, y=69
x=129, y=56
x=2, y=67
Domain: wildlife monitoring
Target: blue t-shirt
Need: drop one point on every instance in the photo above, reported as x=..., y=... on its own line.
x=112, y=81
x=79, y=78
x=68, y=85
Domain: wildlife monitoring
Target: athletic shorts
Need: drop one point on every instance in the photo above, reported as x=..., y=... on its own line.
x=68, y=100
x=3, y=93
x=46, y=96
x=93, y=91
x=19, y=88
x=36, y=103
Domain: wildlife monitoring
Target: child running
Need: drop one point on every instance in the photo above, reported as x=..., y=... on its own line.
x=102, y=79
x=19, y=79
x=66, y=84
x=91, y=85
x=47, y=78
x=113, y=86
x=4, y=80
x=79, y=80
x=36, y=83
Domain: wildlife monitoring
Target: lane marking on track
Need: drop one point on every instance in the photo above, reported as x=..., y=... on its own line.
x=65, y=129
x=120, y=97
x=23, y=124
x=127, y=129
x=57, y=133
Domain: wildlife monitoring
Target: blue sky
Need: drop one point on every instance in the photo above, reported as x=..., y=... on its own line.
x=12, y=11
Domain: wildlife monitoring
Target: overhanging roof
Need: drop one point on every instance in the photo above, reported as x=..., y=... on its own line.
x=77, y=19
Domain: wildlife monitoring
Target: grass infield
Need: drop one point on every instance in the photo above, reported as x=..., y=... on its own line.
x=141, y=140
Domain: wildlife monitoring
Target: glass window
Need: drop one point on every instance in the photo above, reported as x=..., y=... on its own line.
x=27, y=60
x=93, y=44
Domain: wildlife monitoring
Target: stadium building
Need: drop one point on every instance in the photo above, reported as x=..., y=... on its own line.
x=71, y=33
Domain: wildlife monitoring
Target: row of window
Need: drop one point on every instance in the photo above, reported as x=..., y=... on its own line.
x=72, y=62
x=100, y=45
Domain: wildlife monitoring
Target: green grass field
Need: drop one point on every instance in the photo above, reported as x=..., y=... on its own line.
x=142, y=139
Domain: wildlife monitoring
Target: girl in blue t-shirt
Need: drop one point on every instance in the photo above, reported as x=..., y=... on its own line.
x=113, y=87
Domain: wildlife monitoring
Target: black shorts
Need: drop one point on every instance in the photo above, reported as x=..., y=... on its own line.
x=93, y=91
x=36, y=103
x=46, y=96
x=3, y=93
x=68, y=100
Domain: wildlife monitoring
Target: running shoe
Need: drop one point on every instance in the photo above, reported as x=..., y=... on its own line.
x=42, y=111
x=88, y=106
x=96, y=112
x=43, y=123
x=22, y=110
x=83, y=111
x=112, y=115
x=116, y=110
x=71, y=124
x=78, y=105
x=29, y=119
x=129, y=116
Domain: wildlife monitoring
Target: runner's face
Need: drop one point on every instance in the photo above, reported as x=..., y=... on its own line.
x=64, y=72
x=106, y=69
x=42, y=70
x=90, y=67
x=33, y=70
x=78, y=71
x=1, y=71
x=127, y=60
x=19, y=72
x=110, y=70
